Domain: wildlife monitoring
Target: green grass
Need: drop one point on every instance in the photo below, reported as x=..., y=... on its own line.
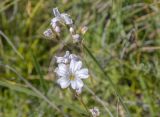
x=121, y=49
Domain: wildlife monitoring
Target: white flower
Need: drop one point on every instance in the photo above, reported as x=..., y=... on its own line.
x=61, y=17
x=67, y=58
x=71, y=74
x=95, y=112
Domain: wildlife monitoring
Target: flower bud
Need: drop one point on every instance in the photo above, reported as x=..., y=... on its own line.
x=48, y=33
x=71, y=30
x=76, y=38
x=53, y=24
x=57, y=29
x=56, y=12
x=95, y=112
x=84, y=29
x=78, y=91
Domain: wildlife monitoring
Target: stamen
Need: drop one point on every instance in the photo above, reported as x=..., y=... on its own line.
x=72, y=77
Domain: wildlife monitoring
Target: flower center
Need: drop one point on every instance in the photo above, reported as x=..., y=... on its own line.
x=72, y=77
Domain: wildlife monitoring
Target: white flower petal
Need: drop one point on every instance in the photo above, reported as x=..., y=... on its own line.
x=67, y=54
x=62, y=70
x=74, y=57
x=53, y=25
x=73, y=84
x=79, y=83
x=63, y=82
x=62, y=67
x=72, y=65
x=56, y=12
x=59, y=59
x=75, y=66
x=54, y=22
x=65, y=59
x=83, y=73
x=76, y=84
x=78, y=66
x=62, y=60
x=66, y=19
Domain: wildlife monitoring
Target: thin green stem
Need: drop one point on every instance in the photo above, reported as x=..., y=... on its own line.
x=109, y=79
x=84, y=105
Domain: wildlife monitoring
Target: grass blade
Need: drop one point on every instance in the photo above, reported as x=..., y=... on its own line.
x=33, y=88
x=15, y=86
x=11, y=44
x=38, y=70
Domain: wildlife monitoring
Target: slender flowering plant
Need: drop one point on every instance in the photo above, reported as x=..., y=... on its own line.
x=69, y=71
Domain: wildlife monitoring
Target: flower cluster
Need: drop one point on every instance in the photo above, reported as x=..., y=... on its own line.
x=70, y=72
x=59, y=20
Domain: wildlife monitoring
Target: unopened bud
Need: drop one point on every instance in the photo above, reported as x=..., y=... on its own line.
x=56, y=12
x=84, y=29
x=76, y=38
x=78, y=91
x=57, y=29
x=71, y=29
x=48, y=33
x=95, y=112
x=53, y=24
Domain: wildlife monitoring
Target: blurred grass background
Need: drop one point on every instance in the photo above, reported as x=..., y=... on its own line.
x=123, y=43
